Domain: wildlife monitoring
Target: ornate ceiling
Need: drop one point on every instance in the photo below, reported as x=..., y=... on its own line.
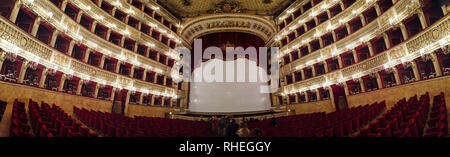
x=193, y=8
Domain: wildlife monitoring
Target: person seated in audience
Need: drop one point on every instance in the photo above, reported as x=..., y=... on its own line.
x=244, y=131
x=214, y=125
x=221, y=126
x=256, y=132
x=232, y=128
x=274, y=121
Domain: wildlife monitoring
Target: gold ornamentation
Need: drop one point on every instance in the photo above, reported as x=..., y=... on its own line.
x=227, y=6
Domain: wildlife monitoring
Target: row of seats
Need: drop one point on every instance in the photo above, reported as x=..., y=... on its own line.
x=113, y=125
x=336, y=124
x=2, y=109
x=404, y=119
x=52, y=121
x=437, y=123
x=19, y=121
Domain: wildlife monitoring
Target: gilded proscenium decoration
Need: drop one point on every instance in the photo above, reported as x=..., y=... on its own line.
x=227, y=6
x=204, y=7
x=253, y=24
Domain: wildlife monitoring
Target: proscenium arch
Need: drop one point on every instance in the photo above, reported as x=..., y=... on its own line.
x=260, y=26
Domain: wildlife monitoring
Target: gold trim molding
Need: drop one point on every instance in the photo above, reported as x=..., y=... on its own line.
x=257, y=25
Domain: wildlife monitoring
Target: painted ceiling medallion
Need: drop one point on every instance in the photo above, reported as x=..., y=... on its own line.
x=227, y=6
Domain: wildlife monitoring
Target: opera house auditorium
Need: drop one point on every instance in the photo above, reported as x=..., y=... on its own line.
x=224, y=68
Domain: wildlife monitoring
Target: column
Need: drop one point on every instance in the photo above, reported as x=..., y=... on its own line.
x=313, y=69
x=422, y=19
x=334, y=35
x=61, y=83
x=15, y=12
x=415, y=70
x=377, y=9
x=113, y=93
x=53, y=39
x=43, y=77
x=306, y=96
x=369, y=45
x=37, y=22
x=155, y=78
x=297, y=99
x=404, y=31
x=102, y=61
x=80, y=14
x=309, y=48
x=144, y=76
x=122, y=41
x=162, y=101
x=64, y=5
x=164, y=79
x=340, y=61
x=152, y=101
x=118, y=66
x=157, y=57
x=379, y=80
x=97, y=87
x=330, y=90
x=363, y=19
x=23, y=70
x=127, y=101
x=127, y=17
x=325, y=66
x=361, y=83
x=328, y=13
x=303, y=74
x=2, y=58
x=99, y=2
x=79, y=86
x=320, y=42
x=94, y=25
x=294, y=79
x=317, y=94
x=396, y=76
x=141, y=98
x=132, y=71
x=386, y=40
x=71, y=45
x=86, y=56
x=113, y=12
x=437, y=67
x=346, y=89
x=349, y=31
x=355, y=56
x=108, y=34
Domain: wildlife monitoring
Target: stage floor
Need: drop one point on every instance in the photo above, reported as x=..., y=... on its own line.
x=246, y=114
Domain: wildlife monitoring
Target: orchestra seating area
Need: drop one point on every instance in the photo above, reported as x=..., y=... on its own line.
x=340, y=123
x=19, y=121
x=54, y=122
x=404, y=119
x=45, y=121
x=113, y=125
x=2, y=109
x=409, y=119
x=437, y=122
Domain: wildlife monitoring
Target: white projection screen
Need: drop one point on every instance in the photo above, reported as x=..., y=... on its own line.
x=229, y=96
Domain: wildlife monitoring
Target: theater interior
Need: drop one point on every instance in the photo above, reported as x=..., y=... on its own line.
x=110, y=68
